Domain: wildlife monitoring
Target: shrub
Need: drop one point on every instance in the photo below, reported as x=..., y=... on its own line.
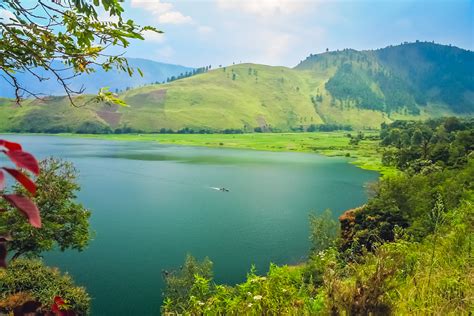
x=27, y=280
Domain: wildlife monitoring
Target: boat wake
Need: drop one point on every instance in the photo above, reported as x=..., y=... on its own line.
x=220, y=189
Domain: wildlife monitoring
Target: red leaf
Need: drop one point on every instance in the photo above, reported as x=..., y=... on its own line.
x=10, y=145
x=24, y=180
x=2, y=181
x=22, y=159
x=3, y=255
x=55, y=308
x=59, y=301
x=26, y=206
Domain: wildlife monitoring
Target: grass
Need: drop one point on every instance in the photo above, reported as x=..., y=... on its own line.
x=365, y=155
x=243, y=96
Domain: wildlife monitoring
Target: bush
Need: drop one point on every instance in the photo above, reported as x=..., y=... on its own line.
x=323, y=231
x=281, y=291
x=27, y=280
x=180, y=283
x=364, y=292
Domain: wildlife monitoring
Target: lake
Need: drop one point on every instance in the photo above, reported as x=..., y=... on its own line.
x=152, y=204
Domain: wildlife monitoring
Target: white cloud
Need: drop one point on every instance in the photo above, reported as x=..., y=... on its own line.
x=174, y=17
x=6, y=15
x=264, y=7
x=163, y=12
x=155, y=7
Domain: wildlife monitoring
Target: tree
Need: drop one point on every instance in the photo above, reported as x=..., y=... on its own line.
x=36, y=33
x=180, y=283
x=65, y=223
x=452, y=124
x=28, y=287
x=323, y=231
x=417, y=138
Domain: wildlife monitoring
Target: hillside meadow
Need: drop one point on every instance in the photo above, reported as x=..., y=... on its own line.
x=348, y=88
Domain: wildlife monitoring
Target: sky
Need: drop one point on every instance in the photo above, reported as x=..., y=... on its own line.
x=284, y=32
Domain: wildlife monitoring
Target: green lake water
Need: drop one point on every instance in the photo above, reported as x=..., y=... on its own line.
x=152, y=204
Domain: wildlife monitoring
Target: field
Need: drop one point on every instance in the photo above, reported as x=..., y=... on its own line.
x=365, y=155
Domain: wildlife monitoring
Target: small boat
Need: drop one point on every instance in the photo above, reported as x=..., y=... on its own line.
x=220, y=189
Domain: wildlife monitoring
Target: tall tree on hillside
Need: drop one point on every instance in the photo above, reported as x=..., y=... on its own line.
x=35, y=33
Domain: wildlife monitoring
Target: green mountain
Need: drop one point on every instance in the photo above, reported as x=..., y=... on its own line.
x=404, y=77
x=357, y=88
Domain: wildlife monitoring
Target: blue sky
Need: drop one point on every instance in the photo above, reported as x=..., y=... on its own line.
x=282, y=32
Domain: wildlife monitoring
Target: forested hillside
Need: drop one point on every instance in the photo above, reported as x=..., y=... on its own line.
x=401, y=78
x=357, y=89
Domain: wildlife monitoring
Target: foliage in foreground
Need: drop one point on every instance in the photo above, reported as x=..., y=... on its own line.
x=434, y=276
x=408, y=251
x=31, y=281
x=18, y=202
x=34, y=33
x=282, y=290
x=27, y=285
x=65, y=222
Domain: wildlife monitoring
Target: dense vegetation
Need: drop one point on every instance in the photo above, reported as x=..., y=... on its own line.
x=356, y=89
x=436, y=73
x=347, y=84
x=401, y=78
x=28, y=286
x=408, y=250
x=415, y=145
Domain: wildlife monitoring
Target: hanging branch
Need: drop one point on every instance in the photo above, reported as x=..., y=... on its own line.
x=68, y=31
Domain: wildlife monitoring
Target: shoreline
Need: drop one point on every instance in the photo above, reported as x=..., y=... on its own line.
x=331, y=144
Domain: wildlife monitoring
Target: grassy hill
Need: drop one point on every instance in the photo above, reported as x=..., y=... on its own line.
x=361, y=89
x=244, y=96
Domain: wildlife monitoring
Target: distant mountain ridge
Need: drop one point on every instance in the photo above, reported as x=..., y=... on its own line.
x=360, y=89
x=153, y=72
x=408, y=75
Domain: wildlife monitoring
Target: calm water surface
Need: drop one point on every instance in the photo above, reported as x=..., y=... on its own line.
x=151, y=204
